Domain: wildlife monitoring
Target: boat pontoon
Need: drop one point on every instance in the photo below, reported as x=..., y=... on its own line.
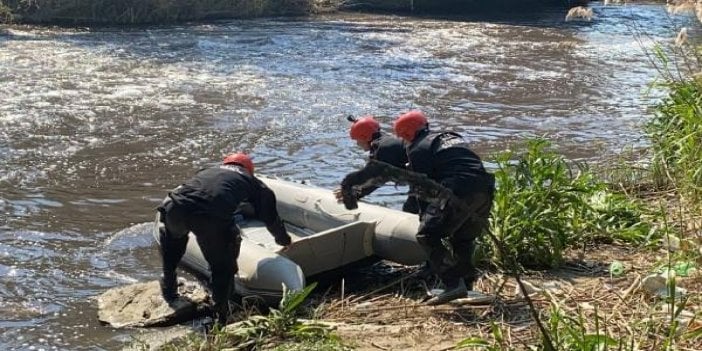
x=325, y=237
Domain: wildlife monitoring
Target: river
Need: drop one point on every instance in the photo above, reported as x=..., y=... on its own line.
x=97, y=124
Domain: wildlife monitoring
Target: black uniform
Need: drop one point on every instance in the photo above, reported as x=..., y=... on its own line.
x=446, y=158
x=205, y=205
x=384, y=148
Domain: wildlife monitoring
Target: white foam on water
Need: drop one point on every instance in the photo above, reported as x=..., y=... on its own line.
x=120, y=277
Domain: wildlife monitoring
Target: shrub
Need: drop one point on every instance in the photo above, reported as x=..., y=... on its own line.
x=543, y=206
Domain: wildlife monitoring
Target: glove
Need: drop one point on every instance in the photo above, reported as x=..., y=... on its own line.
x=349, y=198
x=283, y=240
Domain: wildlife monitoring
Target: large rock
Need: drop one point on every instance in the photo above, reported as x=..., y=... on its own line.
x=141, y=305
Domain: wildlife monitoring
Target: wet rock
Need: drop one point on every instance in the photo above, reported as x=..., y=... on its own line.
x=141, y=305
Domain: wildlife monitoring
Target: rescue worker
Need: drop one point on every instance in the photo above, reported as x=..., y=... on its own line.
x=205, y=205
x=447, y=232
x=381, y=147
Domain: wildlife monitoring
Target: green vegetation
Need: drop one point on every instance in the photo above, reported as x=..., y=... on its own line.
x=676, y=129
x=279, y=330
x=544, y=206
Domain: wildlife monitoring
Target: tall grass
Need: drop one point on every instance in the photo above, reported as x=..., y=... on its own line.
x=676, y=137
x=545, y=205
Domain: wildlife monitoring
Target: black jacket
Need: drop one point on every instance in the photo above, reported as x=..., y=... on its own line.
x=446, y=158
x=384, y=148
x=218, y=192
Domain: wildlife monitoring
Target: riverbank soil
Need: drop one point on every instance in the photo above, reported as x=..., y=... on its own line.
x=388, y=315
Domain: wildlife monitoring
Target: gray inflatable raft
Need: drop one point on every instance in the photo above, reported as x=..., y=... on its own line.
x=325, y=236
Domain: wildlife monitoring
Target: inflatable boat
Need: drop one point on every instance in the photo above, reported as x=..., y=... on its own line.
x=325, y=236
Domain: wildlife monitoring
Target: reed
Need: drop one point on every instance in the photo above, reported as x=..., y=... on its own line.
x=675, y=131
x=676, y=136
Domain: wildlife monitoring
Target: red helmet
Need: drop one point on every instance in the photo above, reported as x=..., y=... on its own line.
x=364, y=128
x=240, y=159
x=407, y=125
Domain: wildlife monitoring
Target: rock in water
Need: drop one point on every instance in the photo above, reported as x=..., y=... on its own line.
x=141, y=305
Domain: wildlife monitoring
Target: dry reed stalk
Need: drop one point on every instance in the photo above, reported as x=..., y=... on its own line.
x=625, y=295
x=613, y=305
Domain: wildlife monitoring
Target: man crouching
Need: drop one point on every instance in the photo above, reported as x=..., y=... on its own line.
x=205, y=206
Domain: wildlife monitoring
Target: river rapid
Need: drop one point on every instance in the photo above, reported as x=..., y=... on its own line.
x=97, y=124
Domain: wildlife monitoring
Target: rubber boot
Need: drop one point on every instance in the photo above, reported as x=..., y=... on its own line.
x=169, y=287
x=454, y=291
x=172, y=251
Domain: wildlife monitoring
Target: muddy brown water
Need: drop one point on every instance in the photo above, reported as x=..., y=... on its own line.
x=96, y=125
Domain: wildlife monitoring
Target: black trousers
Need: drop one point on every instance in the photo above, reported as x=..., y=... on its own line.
x=219, y=240
x=448, y=233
